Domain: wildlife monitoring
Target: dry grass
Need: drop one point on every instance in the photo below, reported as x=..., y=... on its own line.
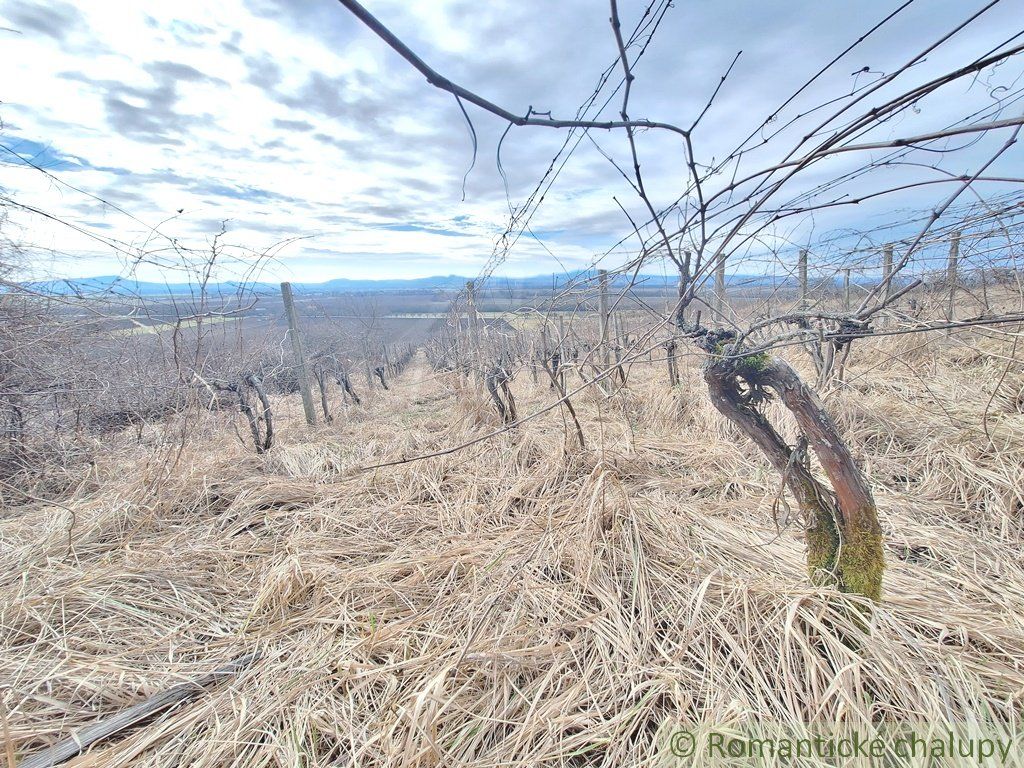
x=510, y=605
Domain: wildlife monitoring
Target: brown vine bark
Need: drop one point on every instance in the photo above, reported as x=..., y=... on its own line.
x=844, y=538
x=673, y=372
x=492, y=382
x=268, y=420
x=321, y=381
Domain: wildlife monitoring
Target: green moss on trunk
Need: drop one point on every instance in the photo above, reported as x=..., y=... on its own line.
x=852, y=561
x=822, y=546
x=861, y=562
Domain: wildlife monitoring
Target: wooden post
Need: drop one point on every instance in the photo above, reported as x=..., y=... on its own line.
x=300, y=357
x=670, y=356
x=459, y=343
x=562, y=347
x=802, y=274
x=681, y=288
x=846, y=289
x=474, y=331
x=720, y=297
x=602, y=277
x=951, y=268
x=887, y=271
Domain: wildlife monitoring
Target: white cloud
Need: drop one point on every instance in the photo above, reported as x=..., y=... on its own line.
x=289, y=118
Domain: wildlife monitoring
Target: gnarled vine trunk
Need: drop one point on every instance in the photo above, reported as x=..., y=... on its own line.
x=844, y=538
x=346, y=385
x=320, y=374
x=496, y=382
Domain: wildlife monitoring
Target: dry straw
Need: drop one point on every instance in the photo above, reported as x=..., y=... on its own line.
x=519, y=603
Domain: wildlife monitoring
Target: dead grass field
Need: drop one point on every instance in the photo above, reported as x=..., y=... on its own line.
x=511, y=605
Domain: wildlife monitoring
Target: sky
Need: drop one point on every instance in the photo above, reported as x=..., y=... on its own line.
x=297, y=131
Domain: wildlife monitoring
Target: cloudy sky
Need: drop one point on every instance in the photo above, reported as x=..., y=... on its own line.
x=287, y=119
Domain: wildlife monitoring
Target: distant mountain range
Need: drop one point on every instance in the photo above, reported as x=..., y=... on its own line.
x=110, y=284
x=114, y=285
